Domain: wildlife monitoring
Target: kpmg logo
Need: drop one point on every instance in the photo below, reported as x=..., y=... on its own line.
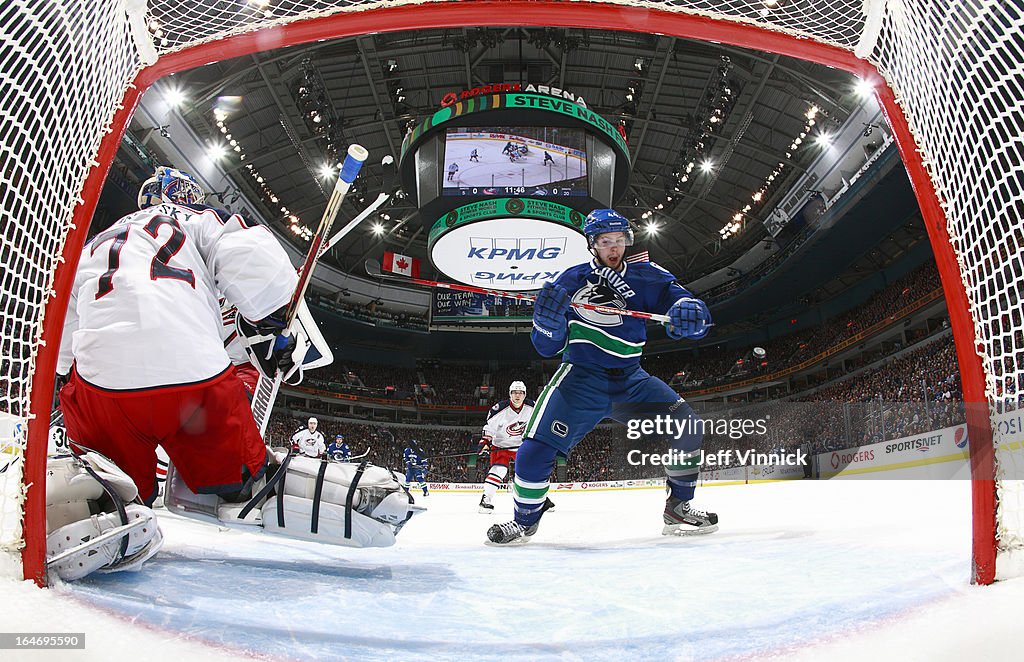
x=514, y=253
x=515, y=249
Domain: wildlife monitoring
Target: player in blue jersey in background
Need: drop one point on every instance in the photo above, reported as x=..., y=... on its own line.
x=338, y=450
x=600, y=375
x=415, y=466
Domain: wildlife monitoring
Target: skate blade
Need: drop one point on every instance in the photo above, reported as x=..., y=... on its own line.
x=485, y=511
x=518, y=542
x=685, y=531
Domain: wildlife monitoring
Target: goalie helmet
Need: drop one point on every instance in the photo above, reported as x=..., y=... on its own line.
x=603, y=221
x=170, y=185
x=516, y=386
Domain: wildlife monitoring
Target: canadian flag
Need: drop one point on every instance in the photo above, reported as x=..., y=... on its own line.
x=401, y=264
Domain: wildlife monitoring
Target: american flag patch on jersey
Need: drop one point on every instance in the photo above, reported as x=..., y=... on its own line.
x=642, y=256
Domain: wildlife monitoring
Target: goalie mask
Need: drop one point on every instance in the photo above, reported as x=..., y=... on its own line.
x=170, y=185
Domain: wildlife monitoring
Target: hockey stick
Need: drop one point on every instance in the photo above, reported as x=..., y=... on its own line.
x=386, y=190
x=354, y=457
x=373, y=269
x=266, y=389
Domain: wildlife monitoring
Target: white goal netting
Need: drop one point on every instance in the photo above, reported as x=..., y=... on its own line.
x=956, y=70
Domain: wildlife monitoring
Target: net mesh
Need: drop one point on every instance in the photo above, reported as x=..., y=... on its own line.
x=956, y=69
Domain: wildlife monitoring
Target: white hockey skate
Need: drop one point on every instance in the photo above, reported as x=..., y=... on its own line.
x=683, y=520
x=486, y=507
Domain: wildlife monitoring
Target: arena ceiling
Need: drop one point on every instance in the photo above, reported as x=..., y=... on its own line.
x=666, y=90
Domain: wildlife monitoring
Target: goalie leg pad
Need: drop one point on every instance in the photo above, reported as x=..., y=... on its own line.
x=336, y=504
x=94, y=519
x=339, y=504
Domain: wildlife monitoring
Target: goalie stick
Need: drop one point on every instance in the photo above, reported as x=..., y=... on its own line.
x=387, y=188
x=373, y=269
x=266, y=390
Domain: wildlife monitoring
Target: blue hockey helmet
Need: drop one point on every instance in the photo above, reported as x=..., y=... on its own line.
x=602, y=221
x=170, y=185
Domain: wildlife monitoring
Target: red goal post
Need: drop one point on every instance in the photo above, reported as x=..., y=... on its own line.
x=947, y=76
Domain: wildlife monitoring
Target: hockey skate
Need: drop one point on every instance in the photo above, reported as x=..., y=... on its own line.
x=510, y=532
x=486, y=507
x=683, y=520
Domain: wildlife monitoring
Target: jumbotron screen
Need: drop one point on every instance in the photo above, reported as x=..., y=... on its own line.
x=514, y=161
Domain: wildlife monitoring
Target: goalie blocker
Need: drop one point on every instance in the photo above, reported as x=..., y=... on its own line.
x=333, y=503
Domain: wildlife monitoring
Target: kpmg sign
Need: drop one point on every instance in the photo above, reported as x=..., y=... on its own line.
x=508, y=243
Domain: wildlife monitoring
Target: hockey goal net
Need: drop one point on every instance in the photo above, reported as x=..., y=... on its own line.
x=949, y=79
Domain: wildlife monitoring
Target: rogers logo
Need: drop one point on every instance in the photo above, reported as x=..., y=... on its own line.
x=583, y=486
x=851, y=458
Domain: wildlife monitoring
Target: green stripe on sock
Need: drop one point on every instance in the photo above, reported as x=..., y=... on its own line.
x=531, y=493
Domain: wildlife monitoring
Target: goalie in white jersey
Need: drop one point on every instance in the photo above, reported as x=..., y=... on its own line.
x=142, y=343
x=501, y=437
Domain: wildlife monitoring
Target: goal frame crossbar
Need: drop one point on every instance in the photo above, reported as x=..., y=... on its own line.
x=493, y=13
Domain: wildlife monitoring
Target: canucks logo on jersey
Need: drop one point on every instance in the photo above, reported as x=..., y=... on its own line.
x=603, y=287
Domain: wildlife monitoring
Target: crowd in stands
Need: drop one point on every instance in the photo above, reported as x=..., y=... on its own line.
x=916, y=392
x=372, y=313
x=458, y=385
x=447, y=448
x=717, y=366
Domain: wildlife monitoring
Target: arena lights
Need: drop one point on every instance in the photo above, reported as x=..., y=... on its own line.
x=864, y=88
x=293, y=223
x=174, y=96
x=319, y=114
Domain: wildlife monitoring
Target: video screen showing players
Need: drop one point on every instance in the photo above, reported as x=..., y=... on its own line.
x=514, y=161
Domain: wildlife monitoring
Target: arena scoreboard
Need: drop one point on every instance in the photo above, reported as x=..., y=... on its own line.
x=504, y=181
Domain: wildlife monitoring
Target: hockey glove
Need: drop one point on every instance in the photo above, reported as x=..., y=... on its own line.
x=270, y=350
x=549, y=310
x=485, y=448
x=690, y=319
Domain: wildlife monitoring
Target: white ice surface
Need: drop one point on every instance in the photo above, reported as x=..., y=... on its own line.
x=833, y=570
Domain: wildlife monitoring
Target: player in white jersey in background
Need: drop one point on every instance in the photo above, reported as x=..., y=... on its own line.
x=501, y=437
x=147, y=366
x=309, y=440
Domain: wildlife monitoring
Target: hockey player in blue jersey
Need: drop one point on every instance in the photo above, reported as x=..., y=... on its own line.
x=600, y=375
x=338, y=450
x=415, y=467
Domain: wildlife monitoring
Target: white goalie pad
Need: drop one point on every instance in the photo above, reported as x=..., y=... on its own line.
x=369, y=513
x=86, y=530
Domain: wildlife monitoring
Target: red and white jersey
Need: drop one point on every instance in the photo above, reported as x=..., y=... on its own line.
x=143, y=311
x=311, y=444
x=505, y=425
x=229, y=334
